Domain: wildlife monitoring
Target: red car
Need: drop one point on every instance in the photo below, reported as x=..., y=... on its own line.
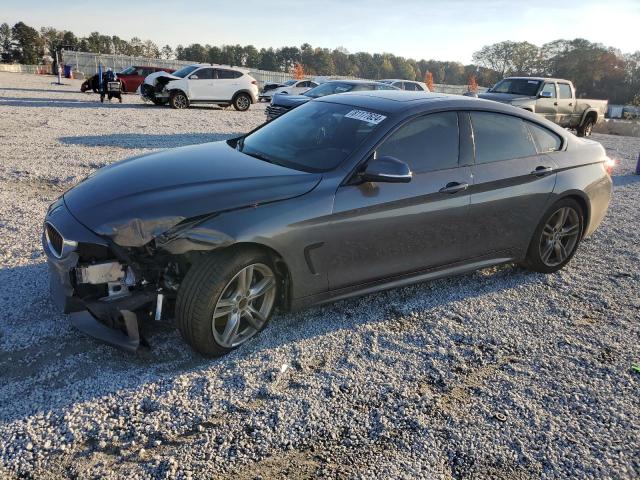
x=131, y=78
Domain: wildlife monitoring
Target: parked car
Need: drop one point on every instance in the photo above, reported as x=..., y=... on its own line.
x=281, y=104
x=345, y=195
x=202, y=83
x=293, y=87
x=553, y=98
x=410, y=85
x=130, y=78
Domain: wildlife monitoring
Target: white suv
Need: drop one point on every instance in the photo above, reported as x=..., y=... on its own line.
x=202, y=83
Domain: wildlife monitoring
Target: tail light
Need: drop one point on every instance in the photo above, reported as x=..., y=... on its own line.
x=609, y=163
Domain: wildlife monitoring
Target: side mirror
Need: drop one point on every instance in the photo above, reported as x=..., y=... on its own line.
x=387, y=169
x=193, y=77
x=545, y=95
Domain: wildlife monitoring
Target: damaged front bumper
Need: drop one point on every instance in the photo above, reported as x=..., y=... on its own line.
x=88, y=281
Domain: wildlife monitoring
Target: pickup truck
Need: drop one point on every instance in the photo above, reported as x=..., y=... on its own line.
x=553, y=98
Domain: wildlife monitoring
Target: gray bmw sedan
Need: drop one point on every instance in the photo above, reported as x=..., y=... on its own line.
x=345, y=195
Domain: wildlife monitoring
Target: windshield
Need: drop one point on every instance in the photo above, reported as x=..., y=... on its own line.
x=315, y=137
x=184, y=71
x=517, y=86
x=329, y=89
x=128, y=70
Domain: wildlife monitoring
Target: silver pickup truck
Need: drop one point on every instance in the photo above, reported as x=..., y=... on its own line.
x=553, y=98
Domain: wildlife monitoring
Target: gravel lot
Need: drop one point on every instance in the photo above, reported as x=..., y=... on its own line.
x=500, y=374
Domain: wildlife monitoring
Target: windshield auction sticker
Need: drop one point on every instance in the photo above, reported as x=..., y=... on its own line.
x=365, y=116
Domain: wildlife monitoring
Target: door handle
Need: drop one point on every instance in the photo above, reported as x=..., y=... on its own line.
x=555, y=104
x=541, y=171
x=454, y=187
x=571, y=104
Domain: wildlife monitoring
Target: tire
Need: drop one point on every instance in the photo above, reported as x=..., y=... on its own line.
x=241, y=102
x=178, y=100
x=212, y=287
x=84, y=87
x=586, y=128
x=545, y=255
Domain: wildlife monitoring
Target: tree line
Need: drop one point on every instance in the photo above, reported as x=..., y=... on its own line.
x=596, y=70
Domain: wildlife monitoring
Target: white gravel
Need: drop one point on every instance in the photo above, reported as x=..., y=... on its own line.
x=499, y=374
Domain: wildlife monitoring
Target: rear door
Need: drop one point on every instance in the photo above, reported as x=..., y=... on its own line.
x=566, y=105
x=379, y=230
x=512, y=182
x=227, y=83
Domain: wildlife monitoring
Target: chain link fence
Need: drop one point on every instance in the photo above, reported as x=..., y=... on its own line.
x=87, y=63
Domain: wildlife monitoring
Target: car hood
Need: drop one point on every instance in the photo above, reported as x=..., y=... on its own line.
x=151, y=78
x=286, y=100
x=504, y=97
x=135, y=200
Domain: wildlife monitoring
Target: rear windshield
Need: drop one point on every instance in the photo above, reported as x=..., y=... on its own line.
x=315, y=137
x=329, y=89
x=517, y=86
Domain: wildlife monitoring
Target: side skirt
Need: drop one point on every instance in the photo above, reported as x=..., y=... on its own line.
x=401, y=281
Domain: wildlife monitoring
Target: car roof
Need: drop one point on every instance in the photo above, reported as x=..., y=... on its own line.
x=354, y=82
x=217, y=65
x=542, y=79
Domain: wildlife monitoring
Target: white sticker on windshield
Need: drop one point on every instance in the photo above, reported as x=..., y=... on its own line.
x=364, y=116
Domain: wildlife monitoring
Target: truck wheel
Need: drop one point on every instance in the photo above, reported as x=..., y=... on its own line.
x=225, y=300
x=586, y=128
x=242, y=102
x=178, y=100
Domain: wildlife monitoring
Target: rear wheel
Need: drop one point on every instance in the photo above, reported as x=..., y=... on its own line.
x=557, y=237
x=586, y=129
x=226, y=300
x=178, y=100
x=242, y=102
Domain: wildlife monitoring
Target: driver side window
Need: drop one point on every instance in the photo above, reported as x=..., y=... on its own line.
x=202, y=74
x=426, y=143
x=551, y=88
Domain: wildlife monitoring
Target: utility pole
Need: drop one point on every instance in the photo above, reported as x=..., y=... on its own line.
x=58, y=49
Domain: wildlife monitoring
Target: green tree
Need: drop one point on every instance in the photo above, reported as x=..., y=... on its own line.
x=5, y=42
x=27, y=46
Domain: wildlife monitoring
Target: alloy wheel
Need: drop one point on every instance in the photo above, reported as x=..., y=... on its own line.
x=243, y=102
x=244, y=306
x=559, y=236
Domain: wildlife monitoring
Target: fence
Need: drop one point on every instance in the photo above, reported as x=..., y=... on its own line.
x=18, y=68
x=87, y=63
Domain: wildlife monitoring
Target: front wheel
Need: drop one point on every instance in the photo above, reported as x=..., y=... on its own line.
x=242, y=102
x=178, y=100
x=557, y=237
x=226, y=300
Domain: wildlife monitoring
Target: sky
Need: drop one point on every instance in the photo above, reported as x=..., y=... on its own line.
x=427, y=29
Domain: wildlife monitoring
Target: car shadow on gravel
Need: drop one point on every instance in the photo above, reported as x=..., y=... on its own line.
x=38, y=102
x=143, y=140
x=624, y=180
x=39, y=90
x=60, y=366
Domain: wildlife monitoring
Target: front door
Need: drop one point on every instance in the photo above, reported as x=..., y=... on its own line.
x=512, y=183
x=201, y=84
x=548, y=107
x=379, y=230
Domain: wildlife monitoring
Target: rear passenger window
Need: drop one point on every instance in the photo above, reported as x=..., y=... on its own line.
x=426, y=144
x=545, y=140
x=565, y=90
x=500, y=137
x=227, y=74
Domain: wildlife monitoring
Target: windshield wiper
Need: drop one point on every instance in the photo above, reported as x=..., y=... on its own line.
x=259, y=156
